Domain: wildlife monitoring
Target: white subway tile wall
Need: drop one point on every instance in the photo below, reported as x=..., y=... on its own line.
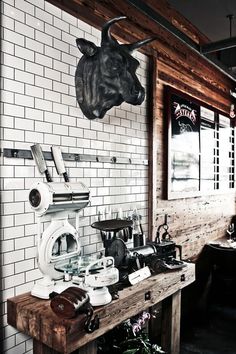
x=38, y=105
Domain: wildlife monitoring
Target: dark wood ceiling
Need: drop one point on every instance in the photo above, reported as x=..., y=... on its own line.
x=141, y=24
x=97, y=12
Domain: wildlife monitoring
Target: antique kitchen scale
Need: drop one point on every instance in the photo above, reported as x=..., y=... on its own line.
x=58, y=246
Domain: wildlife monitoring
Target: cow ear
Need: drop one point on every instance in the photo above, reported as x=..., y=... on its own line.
x=86, y=47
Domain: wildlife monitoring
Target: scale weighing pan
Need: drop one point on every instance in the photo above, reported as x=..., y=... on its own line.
x=112, y=225
x=77, y=264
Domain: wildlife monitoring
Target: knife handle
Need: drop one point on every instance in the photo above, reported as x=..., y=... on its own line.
x=66, y=178
x=58, y=161
x=47, y=175
x=40, y=161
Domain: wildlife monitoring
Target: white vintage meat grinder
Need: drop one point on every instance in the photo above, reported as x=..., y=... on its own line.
x=60, y=240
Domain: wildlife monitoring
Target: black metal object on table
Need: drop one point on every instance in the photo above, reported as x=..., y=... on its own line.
x=159, y=255
x=114, y=225
x=112, y=228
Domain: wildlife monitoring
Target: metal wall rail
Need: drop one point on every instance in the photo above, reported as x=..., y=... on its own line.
x=26, y=154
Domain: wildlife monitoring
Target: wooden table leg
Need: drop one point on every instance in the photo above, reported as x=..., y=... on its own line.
x=170, y=337
x=40, y=348
x=90, y=348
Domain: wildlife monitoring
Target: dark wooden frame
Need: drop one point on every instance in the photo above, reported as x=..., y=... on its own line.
x=170, y=92
x=170, y=194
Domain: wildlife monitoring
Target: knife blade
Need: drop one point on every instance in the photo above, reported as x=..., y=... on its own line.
x=40, y=161
x=59, y=163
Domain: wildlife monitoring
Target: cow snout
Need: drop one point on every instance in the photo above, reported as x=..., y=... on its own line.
x=137, y=95
x=141, y=96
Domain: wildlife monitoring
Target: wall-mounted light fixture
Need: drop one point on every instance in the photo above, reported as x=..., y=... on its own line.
x=232, y=112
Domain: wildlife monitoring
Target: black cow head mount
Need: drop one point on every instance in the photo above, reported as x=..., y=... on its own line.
x=106, y=75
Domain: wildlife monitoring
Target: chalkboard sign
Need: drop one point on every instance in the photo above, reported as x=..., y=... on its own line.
x=199, y=146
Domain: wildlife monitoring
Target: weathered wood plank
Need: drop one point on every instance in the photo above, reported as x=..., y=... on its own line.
x=174, y=17
x=196, y=88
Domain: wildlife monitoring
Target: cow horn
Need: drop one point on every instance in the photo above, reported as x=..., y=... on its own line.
x=132, y=46
x=106, y=36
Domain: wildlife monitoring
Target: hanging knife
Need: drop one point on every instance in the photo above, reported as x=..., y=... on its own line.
x=59, y=163
x=40, y=161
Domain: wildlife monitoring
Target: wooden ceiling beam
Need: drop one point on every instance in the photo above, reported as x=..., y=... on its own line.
x=80, y=9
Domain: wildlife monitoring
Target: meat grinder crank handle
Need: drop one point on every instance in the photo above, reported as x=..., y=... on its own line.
x=180, y=251
x=91, y=324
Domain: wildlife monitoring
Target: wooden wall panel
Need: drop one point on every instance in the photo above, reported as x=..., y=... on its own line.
x=193, y=221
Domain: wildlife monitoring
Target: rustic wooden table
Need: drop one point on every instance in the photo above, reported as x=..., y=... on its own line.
x=53, y=335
